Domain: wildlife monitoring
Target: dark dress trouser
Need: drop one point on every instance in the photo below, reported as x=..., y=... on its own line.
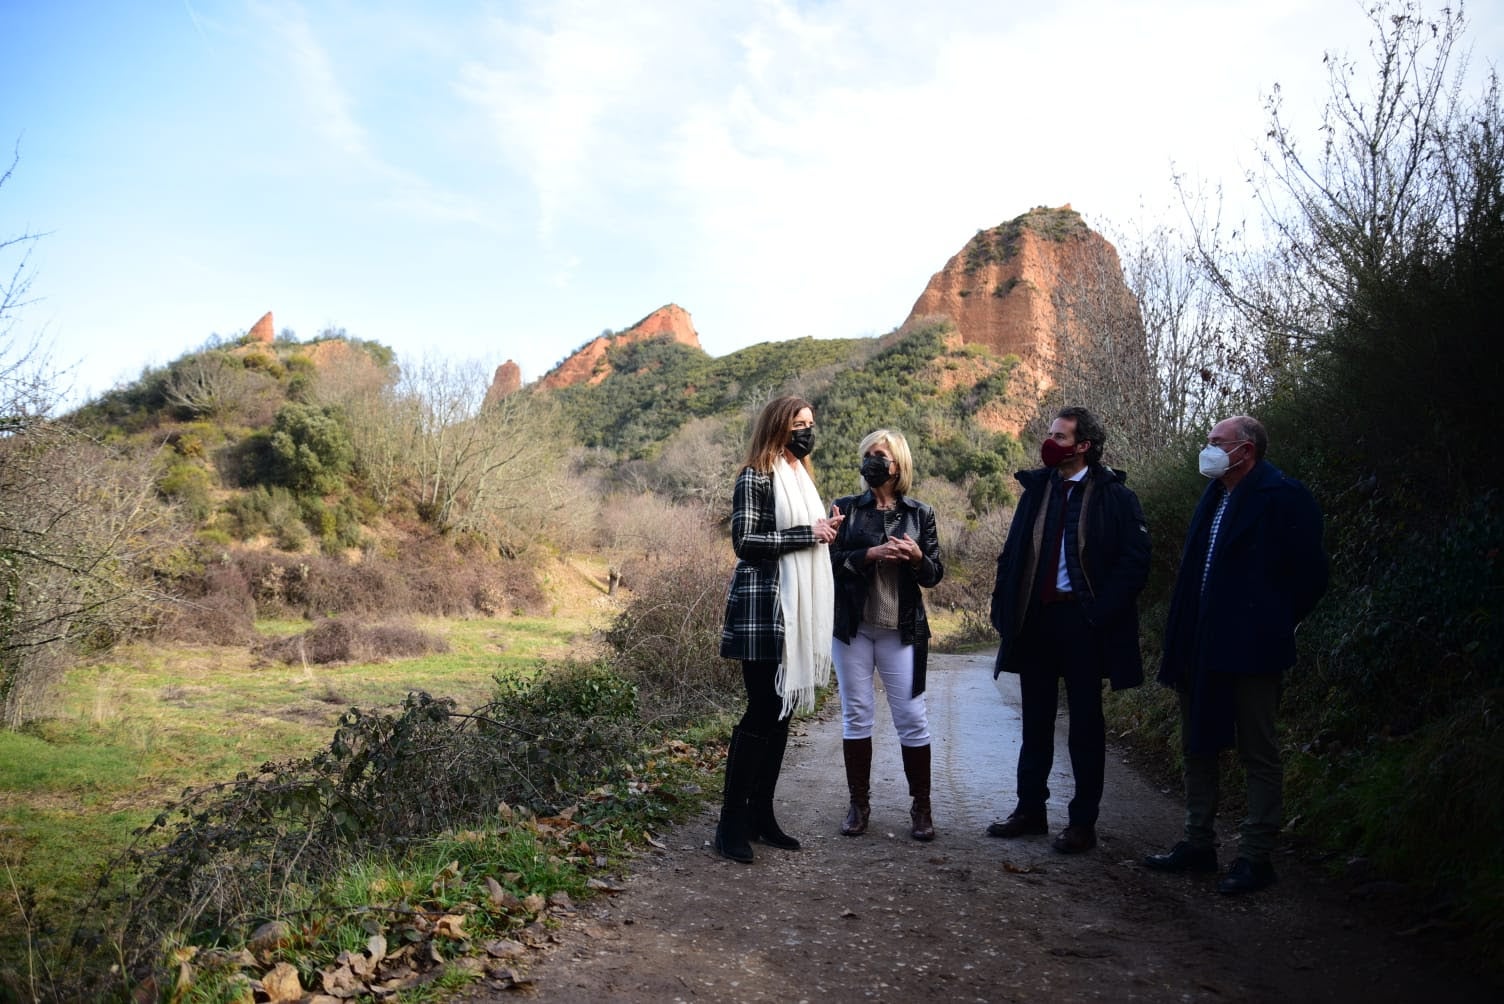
x=1054, y=647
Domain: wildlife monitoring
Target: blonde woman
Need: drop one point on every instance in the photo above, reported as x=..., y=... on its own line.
x=778, y=617
x=886, y=549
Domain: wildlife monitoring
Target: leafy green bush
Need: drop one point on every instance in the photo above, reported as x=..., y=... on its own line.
x=187, y=483
x=310, y=450
x=262, y=510
x=337, y=525
x=575, y=689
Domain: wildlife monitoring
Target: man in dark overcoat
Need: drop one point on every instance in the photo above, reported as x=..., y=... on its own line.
x=1065, y=606
x=1252, y=568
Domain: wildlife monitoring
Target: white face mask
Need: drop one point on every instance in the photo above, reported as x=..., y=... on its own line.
x=1215, y=461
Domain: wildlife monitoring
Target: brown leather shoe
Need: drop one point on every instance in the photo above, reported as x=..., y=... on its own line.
x=1020, y=824
x=1075, y=839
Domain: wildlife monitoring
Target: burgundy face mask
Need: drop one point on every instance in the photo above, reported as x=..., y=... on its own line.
x=1052, y=453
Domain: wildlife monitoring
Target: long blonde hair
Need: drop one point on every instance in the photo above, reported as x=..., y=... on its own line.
x=770, y=434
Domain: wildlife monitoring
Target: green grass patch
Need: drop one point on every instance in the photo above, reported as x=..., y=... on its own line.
x=134, y=730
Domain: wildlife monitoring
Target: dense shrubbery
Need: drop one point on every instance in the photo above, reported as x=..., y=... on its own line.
x=1386, y=324
x=658, y=385
x=898, y=388
x=310, y=451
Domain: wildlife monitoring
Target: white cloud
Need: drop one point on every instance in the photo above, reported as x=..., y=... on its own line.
x=325, y=99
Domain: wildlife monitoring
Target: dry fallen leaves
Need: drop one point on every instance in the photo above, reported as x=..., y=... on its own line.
x=281, y=984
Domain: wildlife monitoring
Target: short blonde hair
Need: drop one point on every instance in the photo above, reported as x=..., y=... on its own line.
x=899, y=447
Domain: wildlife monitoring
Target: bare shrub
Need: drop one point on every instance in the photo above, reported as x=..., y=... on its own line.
x=969, y=544
x=80, y=527
x=214, y=608
x=667, y=638
x=345, y=640
x=427, y=576
x=399, y=641
x=700, y=460
x=645, y=527
x=218, y=385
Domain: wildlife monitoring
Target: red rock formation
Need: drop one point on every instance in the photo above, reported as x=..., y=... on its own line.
x=263, y=331
x=507, y=380
x=588, y=364
x=1005, y=288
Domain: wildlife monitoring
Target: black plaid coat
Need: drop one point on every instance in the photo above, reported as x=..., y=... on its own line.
x=753, y=628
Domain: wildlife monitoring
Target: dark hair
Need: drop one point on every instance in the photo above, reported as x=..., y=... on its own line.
x=1252, y=430
x=770, y=434
x=1087, y=428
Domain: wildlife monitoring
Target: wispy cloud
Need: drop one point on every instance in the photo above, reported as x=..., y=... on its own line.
x=327, y=102
x=552, y=92
x=330, y=106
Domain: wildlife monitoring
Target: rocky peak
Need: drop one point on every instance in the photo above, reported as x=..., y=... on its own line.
x=1022, y=287
x=506, y=381
x=589, y=364
x=263, y=331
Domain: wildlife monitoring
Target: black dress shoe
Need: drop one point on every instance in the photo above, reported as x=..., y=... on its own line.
x=1020, y=824
x=1075, y=839
x=1246, y=876
x=1184, y=857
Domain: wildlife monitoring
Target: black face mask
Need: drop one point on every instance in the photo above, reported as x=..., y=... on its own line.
x=875, y=471
x=802, y=442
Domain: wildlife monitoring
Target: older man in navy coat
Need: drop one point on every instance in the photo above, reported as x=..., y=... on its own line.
x=1253, y=567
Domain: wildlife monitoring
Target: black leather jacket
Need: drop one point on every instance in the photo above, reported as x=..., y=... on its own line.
x=863, y=529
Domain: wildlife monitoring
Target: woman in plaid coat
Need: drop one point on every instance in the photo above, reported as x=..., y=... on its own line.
x=779, y=610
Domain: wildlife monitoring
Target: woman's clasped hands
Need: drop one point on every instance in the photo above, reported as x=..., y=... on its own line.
x=827, y=528
x=896, y=549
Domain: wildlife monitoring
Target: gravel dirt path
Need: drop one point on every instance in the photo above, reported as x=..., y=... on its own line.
x=968, y=917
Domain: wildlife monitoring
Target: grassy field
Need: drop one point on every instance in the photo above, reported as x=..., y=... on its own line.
x=135, y=729
x=132, y=731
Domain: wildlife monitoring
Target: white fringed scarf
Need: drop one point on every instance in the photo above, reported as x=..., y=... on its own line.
x=806, y=592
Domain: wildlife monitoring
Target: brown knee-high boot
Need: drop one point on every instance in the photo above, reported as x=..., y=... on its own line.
x=858, y=756
x=916, y=767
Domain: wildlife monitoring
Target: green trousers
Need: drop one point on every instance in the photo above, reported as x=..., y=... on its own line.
x=1258, y=750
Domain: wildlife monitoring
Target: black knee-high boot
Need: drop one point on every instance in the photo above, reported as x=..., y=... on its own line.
x=763, y=827
x=742, y=761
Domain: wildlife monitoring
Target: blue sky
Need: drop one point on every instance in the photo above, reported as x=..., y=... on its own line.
x=505, y=180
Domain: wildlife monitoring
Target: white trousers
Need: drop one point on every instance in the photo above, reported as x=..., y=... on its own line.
x=873, y=652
